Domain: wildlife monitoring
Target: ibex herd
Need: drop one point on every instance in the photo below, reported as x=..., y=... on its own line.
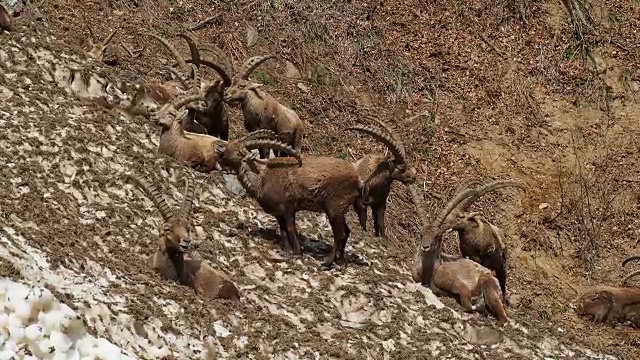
x=193, y=115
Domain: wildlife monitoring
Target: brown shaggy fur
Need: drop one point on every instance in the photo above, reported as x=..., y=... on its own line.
x=610, y=304
x=321, y=184
x=453, y=276
x=5, y=19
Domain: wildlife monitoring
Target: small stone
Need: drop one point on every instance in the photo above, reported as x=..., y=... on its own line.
x=543, y=206
x=292, y=71
x=303, y=87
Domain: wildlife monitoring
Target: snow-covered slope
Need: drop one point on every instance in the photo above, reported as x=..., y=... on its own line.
x=71, y=223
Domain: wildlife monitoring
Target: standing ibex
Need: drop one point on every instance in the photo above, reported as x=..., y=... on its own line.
x=449, y=275
x=285, y=186
x=381, y=170
x=480, y=240
x=174, y=240
x=261, y=110
x=5, y=19
x=612, y=304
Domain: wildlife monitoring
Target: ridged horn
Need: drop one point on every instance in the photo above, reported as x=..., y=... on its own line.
x=389, y=130
x=152, y=192
x=225, y=75
x=274, y=145
x=628, y=277
x=629, y=259
x=384, y=139
x=193, y=49
x=179, y=103
x=178, y=75
x=251, y=64
x=435, y=225
x=171, y=48
x=196, y=82
x=494, y=185
x=221, y=55
x=259, y=134
x=187, y=202
x=417, y=201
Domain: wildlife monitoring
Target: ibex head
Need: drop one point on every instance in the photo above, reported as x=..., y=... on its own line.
x=595, y=302
x=241, y=86
x=429, y=250
x=396, y=163
x=175, y=230
x=460, y=218
x=230, y=155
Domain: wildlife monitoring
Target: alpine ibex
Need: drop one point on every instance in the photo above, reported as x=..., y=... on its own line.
x=215, y=116
x=261, y=110
x=450, y=275
x=284, y=186
x=174, y=240
x=198, y=151
x=612, y=304
x=480, y=240
x=381, y=170
x=5, y=19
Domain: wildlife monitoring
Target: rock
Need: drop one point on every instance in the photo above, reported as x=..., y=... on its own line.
x=543, y=206
x=292, y=71
x=252, y=36
x=302, y=87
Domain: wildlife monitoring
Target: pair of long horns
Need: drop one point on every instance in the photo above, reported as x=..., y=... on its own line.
x=152, y=192
x=635, y=273
x=263, y=143
x=388, y=139
x=430, y=230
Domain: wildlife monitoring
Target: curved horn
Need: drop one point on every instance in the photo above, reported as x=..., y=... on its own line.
x=172, y=49
x=221, y=55
x=151, y=191
x=417, y=201
x=193, y=49
x=274, y=145
x=635, y=273
x=187, y=202
x=179, y=103
x=464, y=206
x=389, y=130
x=259, y=134
x=224, y=75
x=630, y=258
x=178, y=75
x=383, y=138
x=435, y=225
x=196, y=82
x=251, y=64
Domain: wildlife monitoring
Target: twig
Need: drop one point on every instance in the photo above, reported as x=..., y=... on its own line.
x=132, y=53
x=203, y=23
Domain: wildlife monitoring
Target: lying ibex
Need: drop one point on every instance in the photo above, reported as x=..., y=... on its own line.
x=5, y=19
x=480, y=240
x=198, y=151
x=174, y=240
x=282, y=188
x=612, y=304
x=261, y=110
x=381, y=170
x=449, y=275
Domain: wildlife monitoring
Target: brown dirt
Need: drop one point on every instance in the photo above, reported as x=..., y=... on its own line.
x=514, y=100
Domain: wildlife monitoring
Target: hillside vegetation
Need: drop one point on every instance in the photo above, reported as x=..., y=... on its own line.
x=545, y=92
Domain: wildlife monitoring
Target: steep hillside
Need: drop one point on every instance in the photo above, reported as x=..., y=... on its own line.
x=519, y=89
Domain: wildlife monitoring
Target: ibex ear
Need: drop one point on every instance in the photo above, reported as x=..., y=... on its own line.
x=254, y=86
